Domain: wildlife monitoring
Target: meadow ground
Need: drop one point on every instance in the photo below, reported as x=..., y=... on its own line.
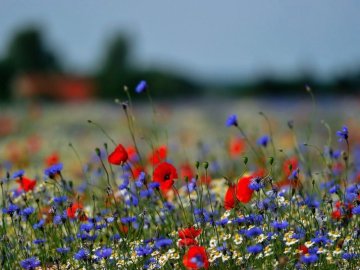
x=186, y=184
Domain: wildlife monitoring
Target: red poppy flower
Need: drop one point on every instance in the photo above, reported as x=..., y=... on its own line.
x=187, y=242
x=190, y=232
x=118, y=156
x=76, y=210
x=289, y=165
x=196, y=258
x=243, y=192
x=229, y=201
x=336, y=214
x=236, y=147
x=131, y=151
x=186, y=171
x=137, y=169
x=158, y=155
x=26, y=184
x=303, y=249
x=52, y=159
x=164, y=174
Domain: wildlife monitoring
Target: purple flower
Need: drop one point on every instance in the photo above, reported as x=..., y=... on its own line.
x=18, y=174
x=141, y=87
x=343, y=134
x=63, y=250
x=309, y=258
x=356, y=210
x=87, y=227
x=82, y=254
x=103, y=252
x=163, y=242
x=143, y=250
x=30, y=263
x=54, y=169
x=11, y=209
x=280, y=225
x=255, y=249
x=253, y=232
x=232, y=121
x=263, y=141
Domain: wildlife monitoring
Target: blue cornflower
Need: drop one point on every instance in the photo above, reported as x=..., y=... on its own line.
x=256, y=184
x=54, y=169
x=280, y=225
x=60, y=199
x=30, y=263
x=356, y=210
x=140, y=180
x=350, y=196
x=232, y=121
x=59, y=219
x=263, y=140
x=39, y=241
x=26, y=212
x=163, y=242
x=154, y=185
x=143, y=250
x=115, y=237
x=311, y=202
x=169, y=206
x=222, y=222
x=343, y=134
x=17, y=174
x=255, y=249
x=141, y=87
x=252, y=232
x=191, y=185
x=39, y=225
x=63, y=250
x=320, y=239
x=146, y=193
x=309, y=258
x=254, y=219
x=349, y=256
x=128, y=220
x=82, y=254
x=103, y=252
x=11, y=209
x=125, y=183
x=87, y=227
x=334, y=189
x=294, y=174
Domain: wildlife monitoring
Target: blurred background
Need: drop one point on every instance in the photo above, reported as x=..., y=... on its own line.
x=65, y=62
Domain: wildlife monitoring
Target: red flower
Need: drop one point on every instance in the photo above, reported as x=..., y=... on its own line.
x=137, y=169
x=243, y=192
x=118, y=156
x=186, y=171
x=190, y=232
x=289, y=165
x=26, y=184
x=158, y=155
x=236, y=147
x=229, y=201
x=196, y=258
x=164, y=174
x=131, y=151
x=76, y=210
x=52, y=159
x=303, y=249
x=187, y=242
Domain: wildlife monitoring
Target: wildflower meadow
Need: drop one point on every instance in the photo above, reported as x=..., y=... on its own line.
x=251, y=198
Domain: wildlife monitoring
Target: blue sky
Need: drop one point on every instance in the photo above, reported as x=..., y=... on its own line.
x=210, y=39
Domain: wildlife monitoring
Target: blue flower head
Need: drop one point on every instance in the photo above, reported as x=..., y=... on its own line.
x=17, y=174
x=343, y=134
x=163, y=242
x=141, y=87
x=280, y=225
x=63, y=250
x=255, y=249
x=309, y=258
x=263, y=141
x=53, y=170
x=30, y=263
x=232, y=121
x=103, y=253
x=82, y=254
